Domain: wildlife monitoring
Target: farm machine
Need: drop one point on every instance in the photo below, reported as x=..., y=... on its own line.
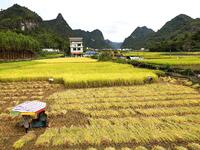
x=33, y=114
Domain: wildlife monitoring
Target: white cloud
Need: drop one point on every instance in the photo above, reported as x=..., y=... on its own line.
x=115, y=18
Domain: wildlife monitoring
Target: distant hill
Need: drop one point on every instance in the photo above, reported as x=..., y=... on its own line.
x=172, y=26
x=50, y=34
x=94, y=39
x=59, y=26
x=138, y=38
x=179, y=34
x=114, y=45
x=19, y=18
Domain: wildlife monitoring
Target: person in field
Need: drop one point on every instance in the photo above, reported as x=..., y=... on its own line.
x=26, y=123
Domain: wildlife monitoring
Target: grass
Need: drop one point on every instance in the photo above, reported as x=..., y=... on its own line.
x=75, y=72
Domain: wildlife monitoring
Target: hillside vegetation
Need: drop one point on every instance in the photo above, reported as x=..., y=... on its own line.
x=138, y=38
x=94, y=39
x=16, y=16
x=179, y=34
x=50, y=34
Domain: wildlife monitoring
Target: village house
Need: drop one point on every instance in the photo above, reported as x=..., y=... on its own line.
x=76, y=46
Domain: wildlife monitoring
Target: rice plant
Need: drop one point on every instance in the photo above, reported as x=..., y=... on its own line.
x=158, y=148
x=179, y=148
x=109, y=148
x=140, y=148
x=45, y=139
x=75, y=72
x=193, y=146
x=125, y=148
x=136, y=114
x=30, y=136
x=139, y=115
x=91, y=148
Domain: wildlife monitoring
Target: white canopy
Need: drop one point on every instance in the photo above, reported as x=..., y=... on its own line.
x=30, y=106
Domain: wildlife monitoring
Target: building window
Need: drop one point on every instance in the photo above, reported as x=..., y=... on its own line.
x=79, y=49
x=74, y=49
x=79, y=44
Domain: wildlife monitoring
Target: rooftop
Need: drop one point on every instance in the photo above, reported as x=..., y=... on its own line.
x=75, y=39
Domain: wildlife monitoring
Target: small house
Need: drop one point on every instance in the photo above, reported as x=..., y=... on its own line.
x=76, y=46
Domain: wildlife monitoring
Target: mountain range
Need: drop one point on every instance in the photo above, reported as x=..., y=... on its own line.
x=52, y=33
x=182, y=33
x=138, y=38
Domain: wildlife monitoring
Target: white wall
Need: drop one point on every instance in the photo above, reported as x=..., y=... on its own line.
x=76, y=47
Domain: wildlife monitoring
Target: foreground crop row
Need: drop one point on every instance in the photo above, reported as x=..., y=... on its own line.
x=139, y=115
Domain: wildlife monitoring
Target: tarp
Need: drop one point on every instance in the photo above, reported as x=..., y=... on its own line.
x=29, y=108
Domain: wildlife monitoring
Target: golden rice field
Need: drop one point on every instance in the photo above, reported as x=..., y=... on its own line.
x=158, y=116
x=164, y=115
x=184, y=60
x=75, y=72
x=195, y=60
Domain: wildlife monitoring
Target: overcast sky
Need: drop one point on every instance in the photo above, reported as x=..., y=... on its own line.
x=115, y=18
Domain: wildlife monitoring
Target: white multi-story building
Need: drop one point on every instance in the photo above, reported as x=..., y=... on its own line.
x=76, y=46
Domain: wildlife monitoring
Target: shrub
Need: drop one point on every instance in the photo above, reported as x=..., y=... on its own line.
x=106, y=56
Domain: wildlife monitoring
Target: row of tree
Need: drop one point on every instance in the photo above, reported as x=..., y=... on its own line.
x=13, y=41
x=17, y=46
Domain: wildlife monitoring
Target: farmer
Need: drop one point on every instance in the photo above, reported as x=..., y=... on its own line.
x=149, y=79
x=26, y=123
